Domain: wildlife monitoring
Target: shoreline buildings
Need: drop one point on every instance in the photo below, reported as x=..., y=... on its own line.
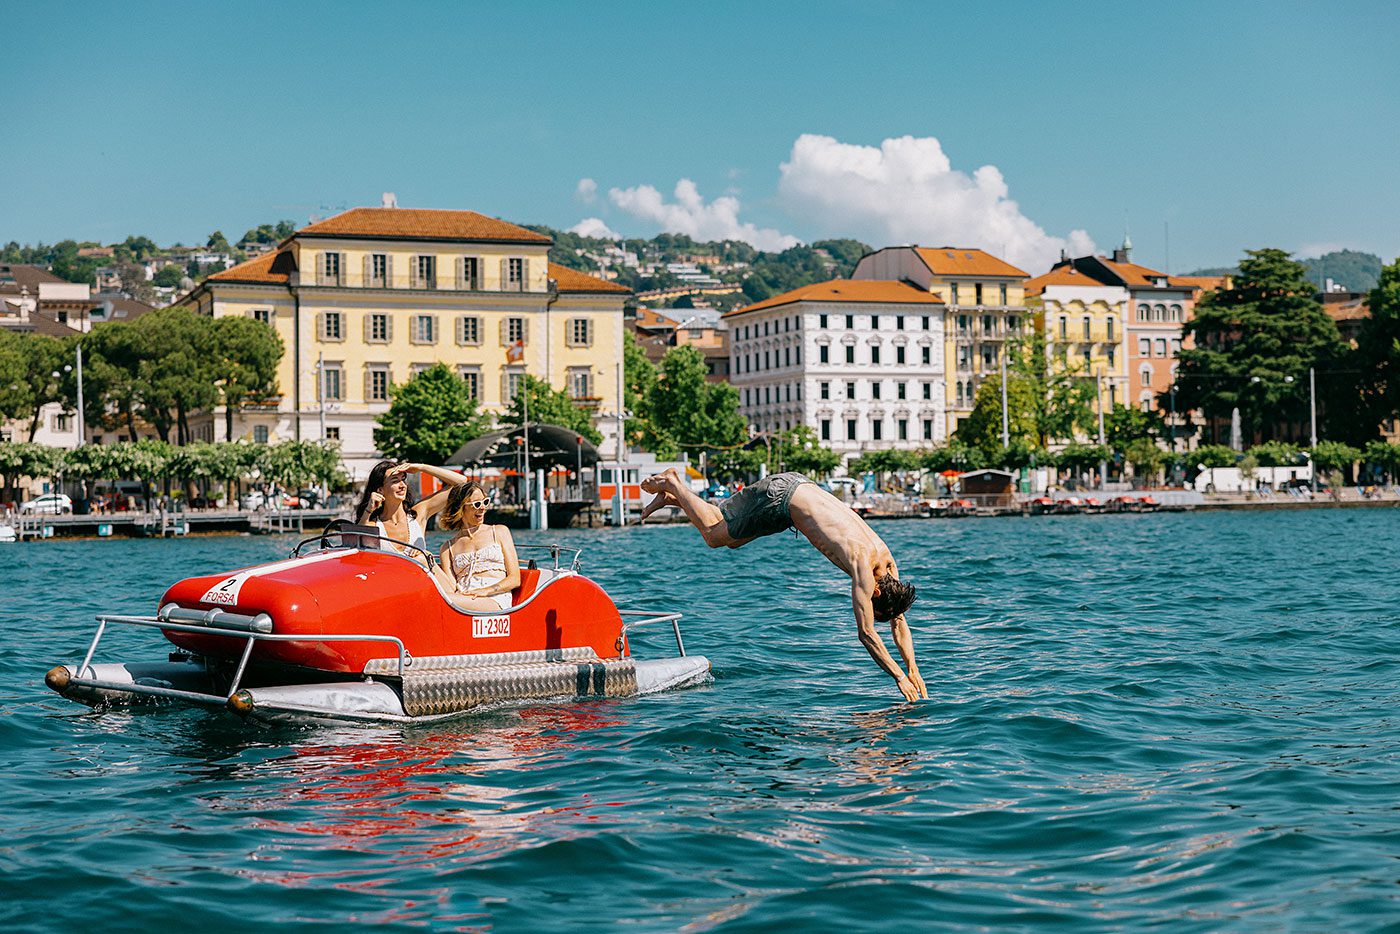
x=984, y=306
x=368, y=298
x=861, y=362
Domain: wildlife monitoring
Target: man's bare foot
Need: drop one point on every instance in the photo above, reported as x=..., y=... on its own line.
x=660, y=482
x=661, y=500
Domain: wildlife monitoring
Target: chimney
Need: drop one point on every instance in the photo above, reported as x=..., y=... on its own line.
x=388, y=200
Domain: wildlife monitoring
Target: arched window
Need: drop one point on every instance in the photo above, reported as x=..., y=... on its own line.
x=1143, y=313
x=1159, y=312
x=1176, y=313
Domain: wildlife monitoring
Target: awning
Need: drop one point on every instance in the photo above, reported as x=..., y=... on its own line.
x=550, y=446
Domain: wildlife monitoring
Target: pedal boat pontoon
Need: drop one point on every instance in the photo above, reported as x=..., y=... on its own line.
x=345, y=630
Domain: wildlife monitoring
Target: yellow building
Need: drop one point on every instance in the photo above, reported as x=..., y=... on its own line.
x=366, y=299
x=984, y=307
x=1084, y=323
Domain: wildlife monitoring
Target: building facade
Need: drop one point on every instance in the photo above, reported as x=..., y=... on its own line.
x=984, y=306
x=368, y=298
x=1084, y=325
x=860, y=362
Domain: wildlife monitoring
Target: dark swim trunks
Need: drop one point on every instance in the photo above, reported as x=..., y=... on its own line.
x=762, y=509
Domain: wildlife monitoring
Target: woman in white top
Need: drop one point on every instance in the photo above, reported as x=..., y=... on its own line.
x=478, y=567
x=389, y=505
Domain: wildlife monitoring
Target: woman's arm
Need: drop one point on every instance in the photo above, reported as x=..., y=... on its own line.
x=442, y=570
x=375, y=501
x=434, y=504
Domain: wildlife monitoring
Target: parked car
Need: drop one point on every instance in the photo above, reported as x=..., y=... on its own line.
x=50, y=504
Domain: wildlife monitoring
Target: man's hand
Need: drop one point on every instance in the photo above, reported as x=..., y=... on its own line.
x=912, y=688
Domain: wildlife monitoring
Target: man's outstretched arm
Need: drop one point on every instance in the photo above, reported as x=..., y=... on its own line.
x=862, y=588
x=904, y=641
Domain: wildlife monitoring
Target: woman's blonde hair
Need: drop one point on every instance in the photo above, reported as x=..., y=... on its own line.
x=454, y=514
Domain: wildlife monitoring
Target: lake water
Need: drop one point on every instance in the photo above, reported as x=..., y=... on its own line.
x=1182, y=721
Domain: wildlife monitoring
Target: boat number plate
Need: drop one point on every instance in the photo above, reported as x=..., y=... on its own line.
x=225, y=592
x=486, y=627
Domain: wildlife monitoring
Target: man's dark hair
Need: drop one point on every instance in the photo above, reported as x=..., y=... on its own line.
x=894, y=598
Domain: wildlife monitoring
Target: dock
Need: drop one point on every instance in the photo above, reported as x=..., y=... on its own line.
x=168, y=524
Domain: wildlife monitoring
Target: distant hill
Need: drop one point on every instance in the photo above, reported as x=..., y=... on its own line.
x=1350, y=269
x=760, y=274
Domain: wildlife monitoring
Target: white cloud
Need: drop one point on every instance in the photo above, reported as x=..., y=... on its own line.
x=907, y=191
x=587, y=190
x=594, y=227
x=689, y=214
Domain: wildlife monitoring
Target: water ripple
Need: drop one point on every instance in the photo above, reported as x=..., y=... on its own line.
x=1180, y=721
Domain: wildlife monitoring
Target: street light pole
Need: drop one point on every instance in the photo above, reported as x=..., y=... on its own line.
x=321, y=393
x=1005, y=418
x=1312, y=435
x=1098, y=399
x=1171, y=439
x=81, y=416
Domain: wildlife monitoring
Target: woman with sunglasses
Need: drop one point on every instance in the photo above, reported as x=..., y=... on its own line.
x=388, y=504
x=478, y=567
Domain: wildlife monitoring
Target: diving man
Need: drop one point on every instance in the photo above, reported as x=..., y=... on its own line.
x=790, y=500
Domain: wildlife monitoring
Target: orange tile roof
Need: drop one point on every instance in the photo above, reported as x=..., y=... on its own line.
x=1132, y=273
x=966, y=261
x=846, y=290
x=571, y=280
x=1060, y=275
x=1204, y=283
x=258, y=269
x=420, y=224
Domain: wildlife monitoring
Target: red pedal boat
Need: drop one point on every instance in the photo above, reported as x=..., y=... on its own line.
x=345, y=630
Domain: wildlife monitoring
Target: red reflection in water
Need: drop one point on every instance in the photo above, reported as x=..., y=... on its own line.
x=420, y=798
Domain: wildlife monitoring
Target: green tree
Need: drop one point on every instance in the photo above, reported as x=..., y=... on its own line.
x=639, y=376
x=1385, y=457
x=41, y=357
x=218, y=243
x=430, y=417
x=168, y=277
x=25, y=459
x=955, y=455
x=982, y=428
x=1253, y=345
x=1334, y=455
x=1275, y=454
x=175, y=349
x=1124, y=424
x=1213, y=455
x=799, y=449
x=549, y=406
x=295, y=464
x=1081, y=458
x=1377, y=356
x=689, y=412
x=1145, y=456
x=243, y=362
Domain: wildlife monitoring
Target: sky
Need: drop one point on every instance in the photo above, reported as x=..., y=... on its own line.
x=1200, y=129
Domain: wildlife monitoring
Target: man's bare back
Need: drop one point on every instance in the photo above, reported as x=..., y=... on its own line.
x=830, y=525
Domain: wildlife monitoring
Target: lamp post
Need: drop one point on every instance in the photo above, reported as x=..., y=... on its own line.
x=1171, y=439
x=1312, y=414
x=1098, y=401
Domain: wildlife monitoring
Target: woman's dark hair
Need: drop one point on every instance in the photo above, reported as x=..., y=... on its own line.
x=894, y=598
x=454, y=514
x=373, y=485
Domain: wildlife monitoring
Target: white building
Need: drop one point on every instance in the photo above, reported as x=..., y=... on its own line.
x=860, y=362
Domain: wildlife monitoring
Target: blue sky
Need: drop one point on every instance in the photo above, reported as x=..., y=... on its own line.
x=1238, y=125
